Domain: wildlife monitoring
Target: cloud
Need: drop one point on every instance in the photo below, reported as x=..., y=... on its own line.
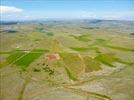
x=9, y=9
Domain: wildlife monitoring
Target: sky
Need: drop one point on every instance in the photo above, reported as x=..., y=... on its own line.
x=66, y=9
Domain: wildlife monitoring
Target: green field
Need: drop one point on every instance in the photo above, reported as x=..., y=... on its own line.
x=24, y=59
x=84, y=48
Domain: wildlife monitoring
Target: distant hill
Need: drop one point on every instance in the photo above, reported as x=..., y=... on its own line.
x=8, y=22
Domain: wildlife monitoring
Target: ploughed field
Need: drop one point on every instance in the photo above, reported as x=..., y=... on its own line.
x=61, y=60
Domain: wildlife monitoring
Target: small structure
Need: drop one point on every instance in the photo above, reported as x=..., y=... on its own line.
x=53, y=57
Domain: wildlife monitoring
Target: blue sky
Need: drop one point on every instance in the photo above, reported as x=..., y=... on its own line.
x=67, y=9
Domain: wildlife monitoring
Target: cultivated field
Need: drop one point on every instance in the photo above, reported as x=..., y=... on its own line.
x=67, y=60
